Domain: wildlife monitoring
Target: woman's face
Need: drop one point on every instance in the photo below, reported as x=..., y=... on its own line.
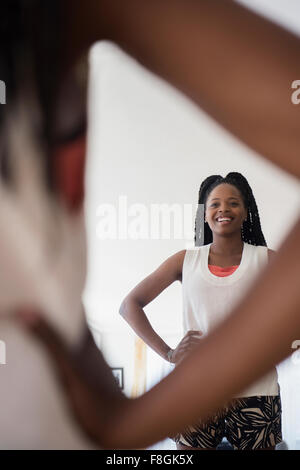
x=225, y=201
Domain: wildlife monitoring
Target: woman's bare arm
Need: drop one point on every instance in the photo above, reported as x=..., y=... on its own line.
x=132, y=307
x=238, y=66
x=148, y=289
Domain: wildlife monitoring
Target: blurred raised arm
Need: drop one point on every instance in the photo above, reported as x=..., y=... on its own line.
x=238, y=66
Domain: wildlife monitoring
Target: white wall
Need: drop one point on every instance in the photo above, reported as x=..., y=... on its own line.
x=149, y=143
x=285, y=13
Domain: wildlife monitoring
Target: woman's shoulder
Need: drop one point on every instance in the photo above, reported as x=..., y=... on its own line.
x=179, y=259
x=179, y=255
x=263, y=249
x=260, y=247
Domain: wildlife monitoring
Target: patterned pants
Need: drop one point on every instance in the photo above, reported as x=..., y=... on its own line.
x=250, y=423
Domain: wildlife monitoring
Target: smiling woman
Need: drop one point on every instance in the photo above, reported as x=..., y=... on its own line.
x=214, y=278
x=208, y=298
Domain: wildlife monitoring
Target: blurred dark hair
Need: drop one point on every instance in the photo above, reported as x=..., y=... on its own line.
x=30, y=35
x=251, y=230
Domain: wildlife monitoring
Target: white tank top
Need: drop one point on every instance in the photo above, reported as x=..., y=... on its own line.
x=209, y=299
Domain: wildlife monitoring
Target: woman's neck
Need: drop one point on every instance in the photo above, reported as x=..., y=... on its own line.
x=222, y=246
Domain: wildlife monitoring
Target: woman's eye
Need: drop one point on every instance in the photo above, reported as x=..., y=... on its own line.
x=233, y=203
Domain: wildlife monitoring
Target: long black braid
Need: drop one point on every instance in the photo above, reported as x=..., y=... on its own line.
x=251, y=230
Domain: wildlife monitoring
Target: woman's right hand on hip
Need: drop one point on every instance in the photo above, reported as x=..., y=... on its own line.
x=188, y=342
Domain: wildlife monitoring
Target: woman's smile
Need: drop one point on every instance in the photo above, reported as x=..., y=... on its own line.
x=224, y=221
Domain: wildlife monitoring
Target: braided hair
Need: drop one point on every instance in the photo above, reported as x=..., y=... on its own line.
x=251, y=229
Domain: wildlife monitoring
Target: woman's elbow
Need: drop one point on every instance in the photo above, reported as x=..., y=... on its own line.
x=129, y=308
x=123, y=307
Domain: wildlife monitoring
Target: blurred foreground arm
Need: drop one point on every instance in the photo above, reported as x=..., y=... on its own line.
x=238, y=66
